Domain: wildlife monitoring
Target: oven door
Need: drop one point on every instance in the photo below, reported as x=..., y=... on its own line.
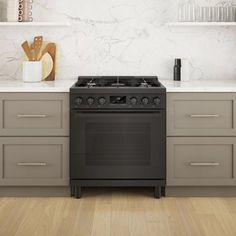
x=118, y=145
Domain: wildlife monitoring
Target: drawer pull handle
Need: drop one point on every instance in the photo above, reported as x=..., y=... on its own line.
x=205, y=116
x=31, y=164
x=204, y=164
x=31, y=116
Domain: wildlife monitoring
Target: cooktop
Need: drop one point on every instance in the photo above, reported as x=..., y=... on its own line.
x=118, y=82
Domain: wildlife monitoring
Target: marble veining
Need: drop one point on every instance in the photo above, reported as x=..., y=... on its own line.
x=123, y=37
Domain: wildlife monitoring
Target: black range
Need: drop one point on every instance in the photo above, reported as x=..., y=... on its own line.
x=118, y=132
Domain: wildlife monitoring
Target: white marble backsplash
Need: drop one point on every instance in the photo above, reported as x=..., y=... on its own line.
x=122, y=37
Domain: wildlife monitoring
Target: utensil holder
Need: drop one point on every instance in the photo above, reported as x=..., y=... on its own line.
x=32, y=71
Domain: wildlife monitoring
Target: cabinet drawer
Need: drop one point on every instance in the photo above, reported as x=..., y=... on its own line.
x=34, y=161
x=201, y=114
x=34, y=114
x=201, y=161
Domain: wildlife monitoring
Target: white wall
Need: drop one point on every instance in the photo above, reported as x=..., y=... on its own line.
x=122, y=37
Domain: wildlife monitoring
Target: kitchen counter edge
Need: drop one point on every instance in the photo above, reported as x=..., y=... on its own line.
x=200, y=86
x=57, y=86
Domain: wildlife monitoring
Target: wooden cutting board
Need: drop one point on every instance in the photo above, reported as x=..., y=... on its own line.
x=49, y=49
x=47, y=65
x=52, y=52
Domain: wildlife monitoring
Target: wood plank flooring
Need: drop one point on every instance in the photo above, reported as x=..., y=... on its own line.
x=117, y=212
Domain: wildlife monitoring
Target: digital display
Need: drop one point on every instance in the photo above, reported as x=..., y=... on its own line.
x=118, y=100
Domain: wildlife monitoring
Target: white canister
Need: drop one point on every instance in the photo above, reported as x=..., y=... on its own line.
x=32, y=71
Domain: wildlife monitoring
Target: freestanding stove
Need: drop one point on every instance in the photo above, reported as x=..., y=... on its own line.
x=118, y=133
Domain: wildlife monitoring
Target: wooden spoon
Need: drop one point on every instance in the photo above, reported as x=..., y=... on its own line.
x=36, y=47
x=38, y=41
x=27, y=50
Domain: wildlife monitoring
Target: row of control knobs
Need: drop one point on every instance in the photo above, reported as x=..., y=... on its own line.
x=133, y=101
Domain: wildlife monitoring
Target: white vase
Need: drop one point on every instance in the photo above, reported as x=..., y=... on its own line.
x=32, y=71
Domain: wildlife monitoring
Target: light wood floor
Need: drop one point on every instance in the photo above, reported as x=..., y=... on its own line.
x=118, y=212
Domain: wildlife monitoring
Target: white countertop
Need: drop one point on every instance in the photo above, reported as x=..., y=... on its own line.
x=200, y=86
x=57, y=86
x=63, y=86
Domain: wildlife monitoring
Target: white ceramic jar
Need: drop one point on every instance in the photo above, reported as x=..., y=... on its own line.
x=32, y=71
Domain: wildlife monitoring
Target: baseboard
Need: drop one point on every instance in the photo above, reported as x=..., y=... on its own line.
x=201, y=191
x=65, y=191
x=34, y=191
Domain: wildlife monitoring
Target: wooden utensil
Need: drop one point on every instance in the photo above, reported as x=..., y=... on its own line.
x=36, y=47
x=27, y=50
x=38, y=41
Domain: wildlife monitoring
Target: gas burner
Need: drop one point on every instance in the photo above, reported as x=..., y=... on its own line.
x=118, y=82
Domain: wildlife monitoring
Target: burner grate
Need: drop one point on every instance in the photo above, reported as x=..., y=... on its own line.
x=117, y=81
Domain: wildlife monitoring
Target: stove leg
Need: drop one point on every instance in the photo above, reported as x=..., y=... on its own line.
x=163, y=191
x=157, y=192
x=72, y=190
x=78, y=191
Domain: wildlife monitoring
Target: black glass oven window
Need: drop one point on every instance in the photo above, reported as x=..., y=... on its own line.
x=118, y=143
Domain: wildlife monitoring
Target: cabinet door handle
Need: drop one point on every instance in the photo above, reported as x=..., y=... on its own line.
x=31, y=116
x=31, y=163
x=204, y=116
x=204, y=163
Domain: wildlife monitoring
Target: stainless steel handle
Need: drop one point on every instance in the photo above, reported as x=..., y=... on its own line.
x=31, y=116
x=32, y=164
x=204, y=163
x=205, y=116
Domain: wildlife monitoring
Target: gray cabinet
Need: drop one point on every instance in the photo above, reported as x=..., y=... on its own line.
x=201, y=114
x=34, y=161
x=197, y=161
x=34, y=139
x=201, y=139
x=30, y=114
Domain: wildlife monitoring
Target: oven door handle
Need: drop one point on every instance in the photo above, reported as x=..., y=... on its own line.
x=117, y=111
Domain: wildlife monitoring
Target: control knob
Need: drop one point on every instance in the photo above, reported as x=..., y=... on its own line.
x=156, y=101
x=145, y=101
x=90, y=101
x=102, y=101
x=133, y=101
x=78, y=101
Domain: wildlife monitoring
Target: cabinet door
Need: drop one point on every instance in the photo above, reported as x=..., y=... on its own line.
x=34, y=161
x=34, y=114
x=201, y=161
x=201, y=114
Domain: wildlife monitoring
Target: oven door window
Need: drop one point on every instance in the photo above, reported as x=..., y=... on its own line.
x=117, y=143
x=111, y=145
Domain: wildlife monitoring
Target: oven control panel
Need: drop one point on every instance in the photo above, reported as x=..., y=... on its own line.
x=133, y=101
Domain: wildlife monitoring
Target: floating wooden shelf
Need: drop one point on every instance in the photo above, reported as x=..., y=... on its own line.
x=201, y=24
x=51, y=23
